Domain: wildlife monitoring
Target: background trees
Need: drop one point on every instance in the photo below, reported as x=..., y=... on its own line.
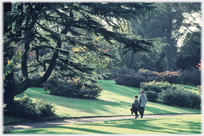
x=189, y=54
x=169, y=22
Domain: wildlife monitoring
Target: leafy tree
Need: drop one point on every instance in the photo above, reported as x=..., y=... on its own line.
x=53, y=30
x=189, y=54
x=166, y=22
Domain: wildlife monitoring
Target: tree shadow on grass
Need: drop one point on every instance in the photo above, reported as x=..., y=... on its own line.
x=146, y=126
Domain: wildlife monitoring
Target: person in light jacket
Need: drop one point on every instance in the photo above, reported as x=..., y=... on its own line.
x=142, y=103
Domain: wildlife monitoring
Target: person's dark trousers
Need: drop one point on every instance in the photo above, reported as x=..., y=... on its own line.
x=141, y=111
x=135, y=111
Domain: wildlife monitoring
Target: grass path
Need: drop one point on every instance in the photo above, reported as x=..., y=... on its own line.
x=157, y=124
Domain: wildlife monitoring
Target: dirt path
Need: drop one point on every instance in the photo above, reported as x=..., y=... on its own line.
x=79, y=120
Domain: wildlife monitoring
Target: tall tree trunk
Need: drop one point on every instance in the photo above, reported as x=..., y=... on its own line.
x=9, y=84
x=9, y=87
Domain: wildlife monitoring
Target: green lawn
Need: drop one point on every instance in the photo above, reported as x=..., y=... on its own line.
x=114, y=100
x=188, y=124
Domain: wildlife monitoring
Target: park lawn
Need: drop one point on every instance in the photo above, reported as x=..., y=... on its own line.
x=187, y=124
x=115, y=100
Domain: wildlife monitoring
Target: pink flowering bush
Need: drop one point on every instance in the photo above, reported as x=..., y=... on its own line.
x=173, y=77
x=136, y=79
x=189, y=77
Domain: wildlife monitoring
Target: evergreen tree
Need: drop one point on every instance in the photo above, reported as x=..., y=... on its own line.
x=52, y=30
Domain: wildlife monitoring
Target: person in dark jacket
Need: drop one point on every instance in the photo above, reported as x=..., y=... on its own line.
x=134, y=107
x=142, y=103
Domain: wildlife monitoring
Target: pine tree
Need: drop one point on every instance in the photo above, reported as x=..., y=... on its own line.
x=52, y=30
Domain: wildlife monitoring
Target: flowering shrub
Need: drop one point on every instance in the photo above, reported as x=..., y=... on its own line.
x=189, y=77
x=199, y=66
x=136, y=79
x=199, y=88
x=153, y=74
x=173, y=77
x=72, y=88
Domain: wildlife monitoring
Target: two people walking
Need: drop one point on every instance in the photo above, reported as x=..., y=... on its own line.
x=139, y=105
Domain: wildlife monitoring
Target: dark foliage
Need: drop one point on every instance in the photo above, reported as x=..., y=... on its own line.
x=72, y=88
x=152, y=96
x=179, y=97
x=191, y=77
x=29, y=108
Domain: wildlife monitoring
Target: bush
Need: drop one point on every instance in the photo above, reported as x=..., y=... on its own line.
x=72, y=88
x=188, y=77
x=191, y=77
x=173, y=77
x=155, y=86
x=130, y=80
x=171, y=94
x=179, y=97
x=151, y=74
x=29, y=108
x=152, y=96
x=141, y=76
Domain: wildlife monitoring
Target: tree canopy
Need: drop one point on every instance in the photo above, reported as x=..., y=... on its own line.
x=51, y=31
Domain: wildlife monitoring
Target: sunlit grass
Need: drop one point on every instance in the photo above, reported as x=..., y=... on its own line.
x=188, y=124
x=114, y=100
